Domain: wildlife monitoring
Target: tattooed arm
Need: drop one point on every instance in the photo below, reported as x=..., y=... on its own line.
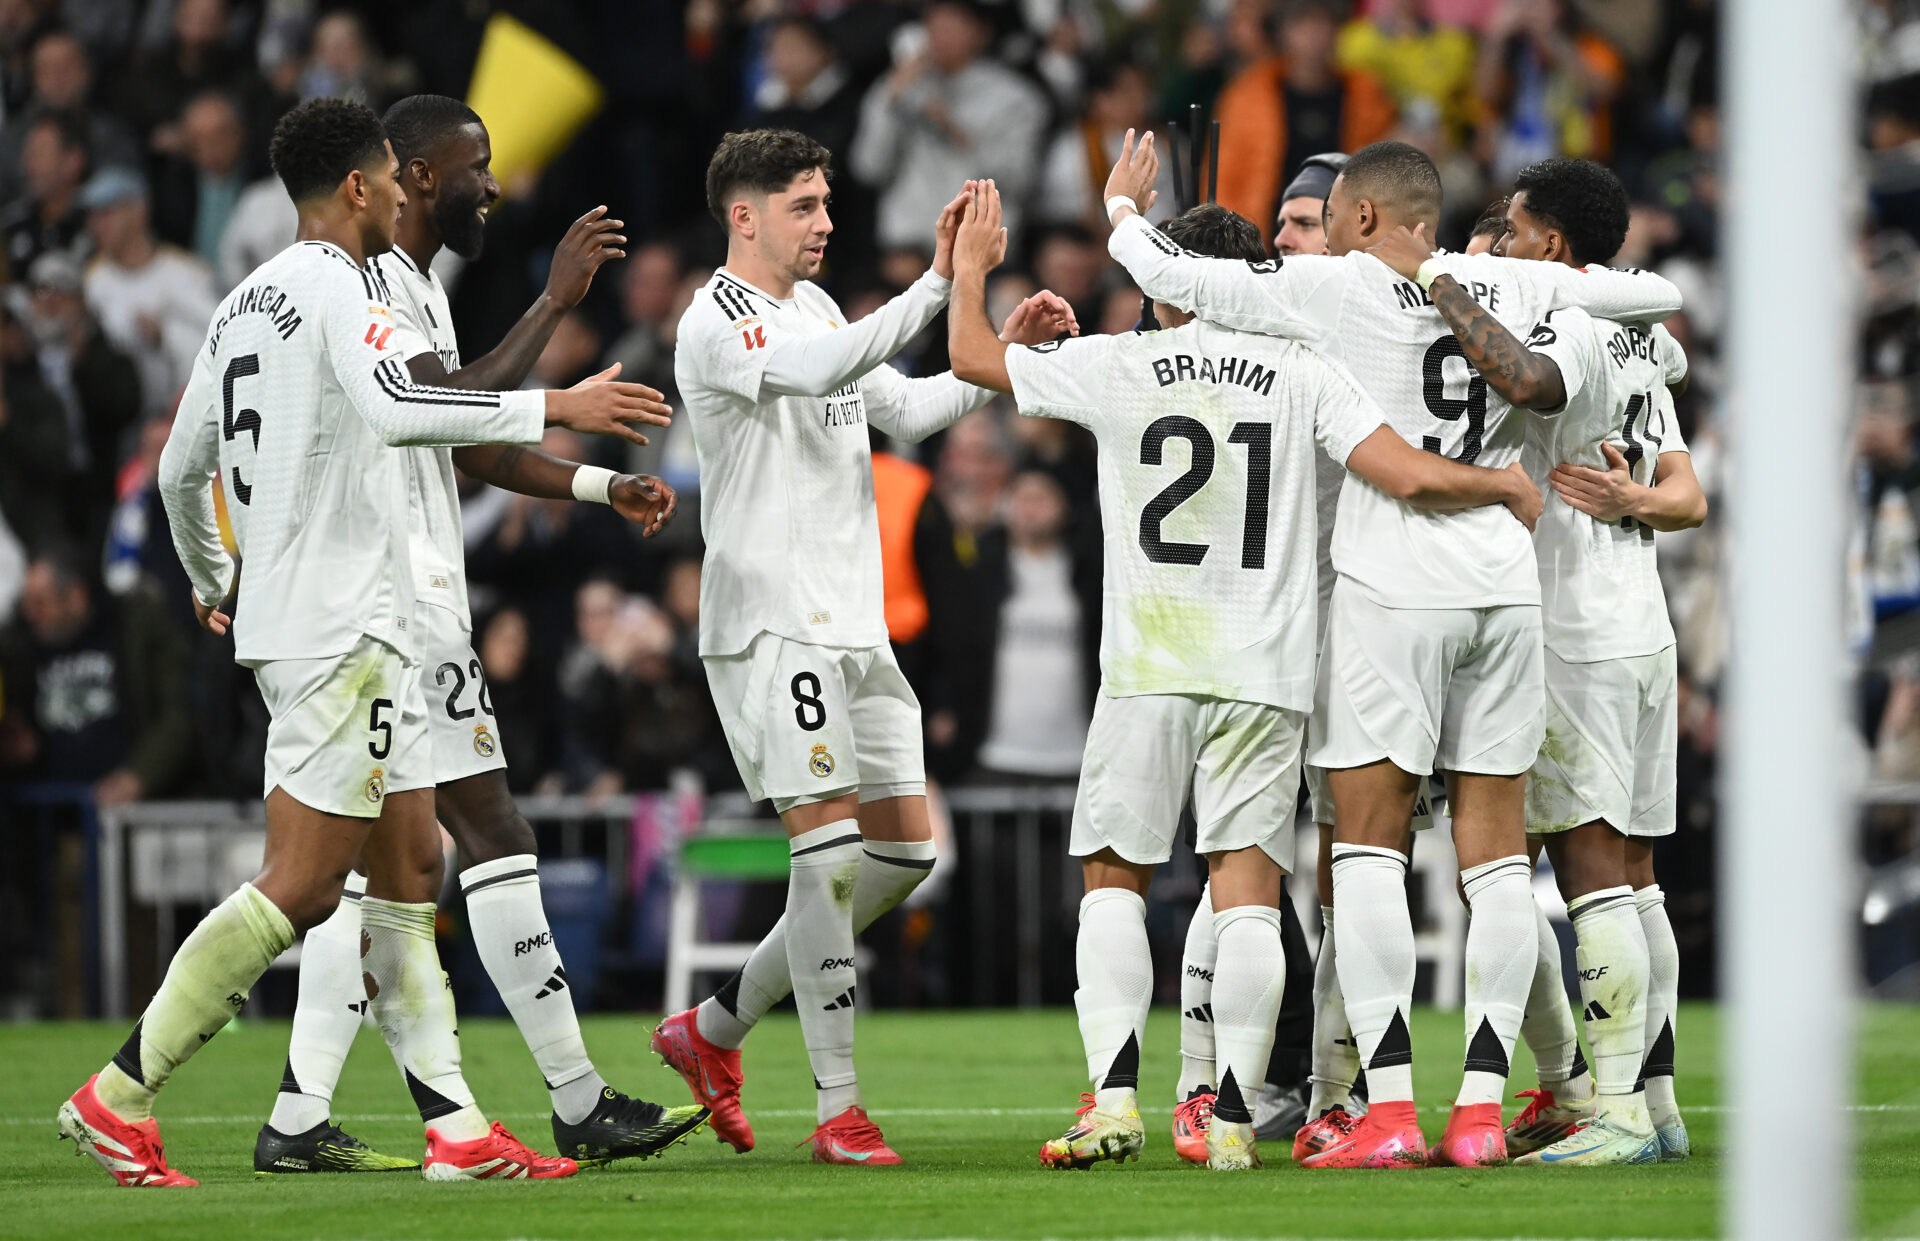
x=1516, y=372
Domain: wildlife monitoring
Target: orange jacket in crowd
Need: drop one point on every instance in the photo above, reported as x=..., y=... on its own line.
x=899, y=489
x=1252, y=111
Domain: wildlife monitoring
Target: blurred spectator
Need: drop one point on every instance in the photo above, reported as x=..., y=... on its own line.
x=154, y=301
x=63, y=82
x=1119, y=98
x=1069, y=262
x=199, y=192
x=806, y=88
x=47, y=215
x=1547, y=84
x=344, y=65
x=649, y=285
x=263, y=224
x=521, y=692
x=1893, y=140
x=139, y=549
x=1421, y=63
x=946, y=114
x=1289, y=103
x=96, y=691
x=35, y=455
x=22, y=22
x=97, y=386
x=1045, y=667
x=197, y=58
x=956, y=545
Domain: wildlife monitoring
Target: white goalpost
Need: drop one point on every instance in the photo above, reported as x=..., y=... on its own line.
x=1787, y=825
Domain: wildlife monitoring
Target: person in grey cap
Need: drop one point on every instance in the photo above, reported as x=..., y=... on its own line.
x=1301, y=229
x=153, y=300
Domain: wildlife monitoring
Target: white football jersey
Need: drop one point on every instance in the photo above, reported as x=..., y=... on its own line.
x=297, y=399
x=1207, y=447
x=786, y=482
x=433, y=512
x=1385, y=330
x=1599, y=583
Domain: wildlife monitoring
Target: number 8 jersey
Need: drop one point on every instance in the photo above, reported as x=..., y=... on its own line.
x=1207, y=499
x=298, y=399
x=1386, y=331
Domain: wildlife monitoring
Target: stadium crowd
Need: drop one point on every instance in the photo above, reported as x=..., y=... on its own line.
x=134, y=194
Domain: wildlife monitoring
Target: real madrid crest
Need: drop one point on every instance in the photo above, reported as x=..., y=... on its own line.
x=821, y=764
x=482, y=741
x=377, y=785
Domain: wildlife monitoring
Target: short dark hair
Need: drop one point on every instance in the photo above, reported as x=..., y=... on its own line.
x=418, y=124
x=1492, y=221
x=760, y=161
x=1585, y=201
x=317, y=143
x=1394, y=172
x=69, y=126
x=1216, y=232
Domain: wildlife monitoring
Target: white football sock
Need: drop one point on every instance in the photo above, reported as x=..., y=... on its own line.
x=1663, y=1002
x=1115, y=970
x=820, y=888
x=1196, y=1001
x=326, y=1015
x=889, y=872
x=1548, y=1025
x=509, y=924
x=1502, y=952
x=1336, y=1057
x=1375, y=961
x=413, y=1004
x=1611, y=950
x=206, y=984
x=1248, y=982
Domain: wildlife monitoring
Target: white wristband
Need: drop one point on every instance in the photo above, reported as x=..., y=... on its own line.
x=1430, y=271
x=594, y=483
x=1118, y=201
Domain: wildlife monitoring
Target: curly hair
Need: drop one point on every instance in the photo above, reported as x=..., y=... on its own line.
x=419, y=123
x=1584, y=201
x=1216, y=232
x=317, y=143
x=760, y=161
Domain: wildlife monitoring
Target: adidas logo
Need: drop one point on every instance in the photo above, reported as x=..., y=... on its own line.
x=556, y=983
x=843, y=1000
x=1594, y=1012
x=1200, y=1012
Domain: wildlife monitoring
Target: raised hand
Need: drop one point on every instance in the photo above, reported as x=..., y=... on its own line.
x=1135, y=172
x=591, y=241
x=1039, y=319
x=981, y=242
x=1404, y=250
x=947, y=226
x=599, y=406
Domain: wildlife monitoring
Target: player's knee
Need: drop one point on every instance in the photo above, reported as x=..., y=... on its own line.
x=480, y=815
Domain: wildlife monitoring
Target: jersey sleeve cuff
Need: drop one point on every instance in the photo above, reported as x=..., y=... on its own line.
x=527, y=411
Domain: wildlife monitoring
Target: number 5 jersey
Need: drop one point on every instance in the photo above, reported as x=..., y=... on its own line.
x=299, y=398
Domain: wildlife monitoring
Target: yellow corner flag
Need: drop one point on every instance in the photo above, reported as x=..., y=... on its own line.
x=532, y=96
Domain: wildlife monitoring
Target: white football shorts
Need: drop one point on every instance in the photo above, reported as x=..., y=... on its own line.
x=345, y=730
x=465, y=741
x=1612, y=746
x=808, y=723
x=1430, y=689
x=1240, y=760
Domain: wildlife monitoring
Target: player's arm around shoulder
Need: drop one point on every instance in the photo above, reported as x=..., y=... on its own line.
x=1520, y=374
x=1428, y=480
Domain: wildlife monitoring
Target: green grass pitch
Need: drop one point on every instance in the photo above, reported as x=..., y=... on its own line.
x=966, y=1097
